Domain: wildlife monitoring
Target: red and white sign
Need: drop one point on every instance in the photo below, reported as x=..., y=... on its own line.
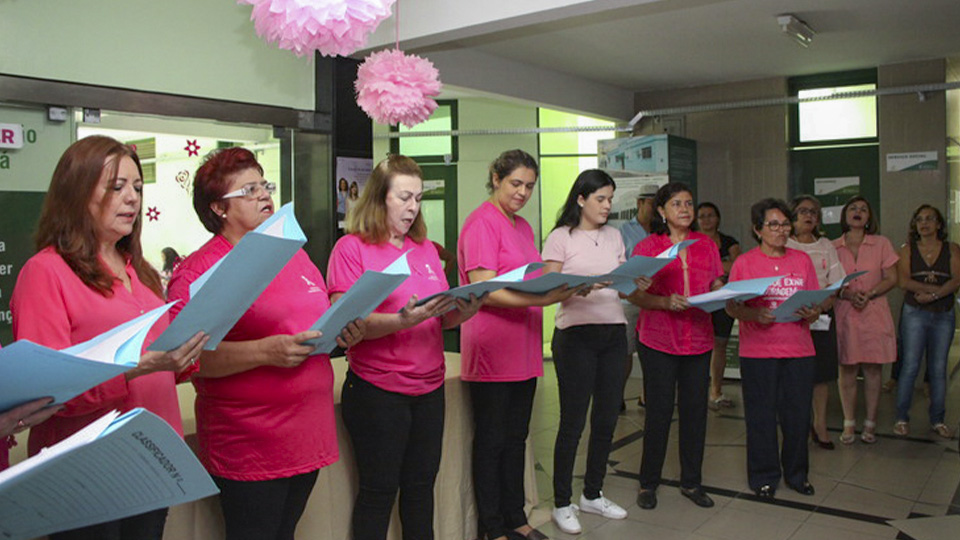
x=11, y=136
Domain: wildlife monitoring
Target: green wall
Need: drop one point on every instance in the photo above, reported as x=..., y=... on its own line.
x=203, y=48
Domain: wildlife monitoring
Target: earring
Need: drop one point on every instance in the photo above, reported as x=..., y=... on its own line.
x=581, y=205
x=224, y=215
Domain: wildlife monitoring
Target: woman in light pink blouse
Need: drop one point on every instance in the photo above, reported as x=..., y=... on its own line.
x=588, y=344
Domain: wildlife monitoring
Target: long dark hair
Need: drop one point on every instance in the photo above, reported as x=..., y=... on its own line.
x=586, y=183
x=941, y=226
x=658, y=225
x=67, y=225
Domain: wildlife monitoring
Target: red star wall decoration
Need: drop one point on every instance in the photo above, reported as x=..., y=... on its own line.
x=153, y=214
x=192, y=147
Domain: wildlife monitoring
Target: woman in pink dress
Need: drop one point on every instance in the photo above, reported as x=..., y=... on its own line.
x=865, y=332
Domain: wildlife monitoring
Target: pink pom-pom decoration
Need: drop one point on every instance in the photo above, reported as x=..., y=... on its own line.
x=393, y=87
x=330, y=27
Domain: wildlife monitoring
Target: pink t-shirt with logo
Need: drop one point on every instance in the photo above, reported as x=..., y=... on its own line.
x=499, y=344
x=52, y=307
x=587, y=253
x=268, y=422
x=687, y=332
x=409, y=361
x=776, y=340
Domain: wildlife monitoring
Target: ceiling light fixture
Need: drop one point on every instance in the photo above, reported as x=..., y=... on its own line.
x=797, y=29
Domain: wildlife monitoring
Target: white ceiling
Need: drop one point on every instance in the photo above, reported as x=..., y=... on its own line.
x=680, y=43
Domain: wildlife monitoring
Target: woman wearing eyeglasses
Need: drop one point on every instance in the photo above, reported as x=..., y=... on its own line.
x=776, y=358
x=265, y=420
x=806, y=238
x=865, y=333
x=676, y=343
x=929, y=272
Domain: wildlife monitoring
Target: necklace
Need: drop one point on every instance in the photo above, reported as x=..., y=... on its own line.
x=595, y=239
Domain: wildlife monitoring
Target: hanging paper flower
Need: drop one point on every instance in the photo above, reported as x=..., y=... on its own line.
x=332, y=27
x=393, y=87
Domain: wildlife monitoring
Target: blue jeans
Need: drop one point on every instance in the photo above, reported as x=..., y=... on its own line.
x=930, y=332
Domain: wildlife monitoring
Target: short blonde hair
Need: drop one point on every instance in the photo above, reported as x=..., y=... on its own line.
x=368, y=217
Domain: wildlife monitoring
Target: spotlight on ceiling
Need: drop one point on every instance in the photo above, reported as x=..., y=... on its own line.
x=797, y=29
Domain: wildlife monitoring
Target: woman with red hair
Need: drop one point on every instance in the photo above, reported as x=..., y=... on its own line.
x=265, y=421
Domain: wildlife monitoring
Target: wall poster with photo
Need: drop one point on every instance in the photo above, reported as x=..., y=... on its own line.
x=351, y=175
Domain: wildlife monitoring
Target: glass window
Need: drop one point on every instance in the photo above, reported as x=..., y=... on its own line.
x=440, y=120
x=840, y=119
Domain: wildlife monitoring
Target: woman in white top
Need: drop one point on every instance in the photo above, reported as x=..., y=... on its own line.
x=589, y=345
x=806, y=237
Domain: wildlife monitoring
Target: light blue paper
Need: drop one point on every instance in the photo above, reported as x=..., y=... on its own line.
x=620, y=279
x=785, y=312
x=136, y=464
x=29, y=371
x=229, y=288
x=480, y=288
x=738, y=291
x=359, y=301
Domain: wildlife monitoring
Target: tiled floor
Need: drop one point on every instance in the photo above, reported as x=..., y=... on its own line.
x=859, y=487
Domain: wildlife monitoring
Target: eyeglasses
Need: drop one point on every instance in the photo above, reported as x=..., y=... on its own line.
x=680, y=204
x=927, y=219
x=253, y=191
x=778, y=225
x=807, y=211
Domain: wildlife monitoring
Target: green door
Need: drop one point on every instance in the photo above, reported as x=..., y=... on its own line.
x=439, y=209
x=833, y=175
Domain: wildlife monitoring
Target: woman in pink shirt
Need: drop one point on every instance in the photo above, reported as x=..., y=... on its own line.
x=865, y=332
x=393, y=397
x=88, y=277
x=676, y=343
x=588, y=346
x=502, y=348
x=776, y=359
x=265, y=420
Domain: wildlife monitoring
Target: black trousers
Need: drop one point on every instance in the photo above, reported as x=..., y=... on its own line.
x=669, y=377
x=148, y=526
x=777, y=390
x=397, y=441
x=264, y=509
x=588, y=359
x=501, y=418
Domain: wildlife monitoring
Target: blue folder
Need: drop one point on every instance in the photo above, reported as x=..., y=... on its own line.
x=116, y=467
x=29, y=371
x=220, y=296
x=739, y=291
x=785, y=312
x=359, y=301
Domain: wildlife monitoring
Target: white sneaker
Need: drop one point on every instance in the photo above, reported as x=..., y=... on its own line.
x=566, y=519
x=602, y=506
